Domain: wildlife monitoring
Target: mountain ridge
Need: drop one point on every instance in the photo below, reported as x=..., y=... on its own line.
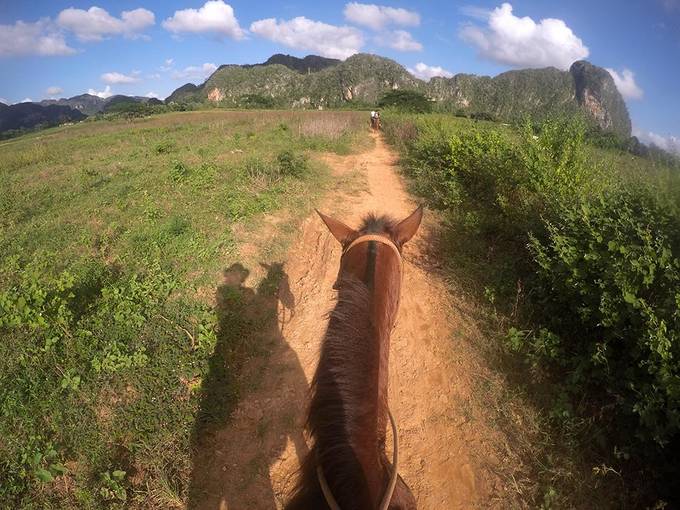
x=364, y=78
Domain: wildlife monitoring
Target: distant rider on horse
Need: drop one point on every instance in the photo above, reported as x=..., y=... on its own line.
x=375, y=120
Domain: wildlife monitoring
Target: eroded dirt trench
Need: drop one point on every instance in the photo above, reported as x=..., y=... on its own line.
x=445, y=454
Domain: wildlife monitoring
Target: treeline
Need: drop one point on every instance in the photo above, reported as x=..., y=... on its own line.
x=584, y=256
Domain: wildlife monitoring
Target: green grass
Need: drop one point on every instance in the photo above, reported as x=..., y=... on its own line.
x=121, y=329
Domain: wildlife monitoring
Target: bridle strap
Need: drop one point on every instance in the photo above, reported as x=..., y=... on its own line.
x=378, y=239
x=373, y=237
x=387, y=498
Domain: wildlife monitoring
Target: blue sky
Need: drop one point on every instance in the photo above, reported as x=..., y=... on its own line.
x=152, y=46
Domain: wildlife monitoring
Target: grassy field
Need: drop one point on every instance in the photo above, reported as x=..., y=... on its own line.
x=571, y=255
x=126, y=245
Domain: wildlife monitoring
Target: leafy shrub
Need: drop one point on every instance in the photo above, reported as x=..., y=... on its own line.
x=257, y=101
x=165, y=147
x=291, y=163
x=179, y=171
x=406, y=101
x=599, y=263
x=610, y=266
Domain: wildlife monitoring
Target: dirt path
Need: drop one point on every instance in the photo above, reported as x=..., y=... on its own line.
x=446, y=455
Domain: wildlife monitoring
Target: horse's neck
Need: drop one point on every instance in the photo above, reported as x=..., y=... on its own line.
x=350, y=403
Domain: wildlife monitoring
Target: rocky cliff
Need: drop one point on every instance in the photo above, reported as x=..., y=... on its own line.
x=362, y=79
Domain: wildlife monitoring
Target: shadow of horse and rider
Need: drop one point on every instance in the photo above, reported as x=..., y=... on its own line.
x=246, y=419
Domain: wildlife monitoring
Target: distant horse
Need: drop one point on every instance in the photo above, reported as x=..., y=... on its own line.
x=347, y=467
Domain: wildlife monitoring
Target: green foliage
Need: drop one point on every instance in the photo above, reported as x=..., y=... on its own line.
x=179, y=171
x=612, y=265
x=112, y=488
x=164, y=147
x=406, y=101
x=257, y=101
x=291, y=163
x=130, y=109
x=597, y=260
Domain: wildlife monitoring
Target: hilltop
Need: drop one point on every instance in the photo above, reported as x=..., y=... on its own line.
x=19, y=117
x=315, y=82
x=31, y=115
x=363, y=78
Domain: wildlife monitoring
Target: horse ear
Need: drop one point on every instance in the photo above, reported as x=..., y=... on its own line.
x=408, y=227
x=339, y=230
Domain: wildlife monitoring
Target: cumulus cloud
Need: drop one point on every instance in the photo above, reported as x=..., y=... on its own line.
x=53, y=91
x=103, y=93
x=399, y=40
x=378, y=17
x=305, y=34
x=151, y=95
x=195, y=72
x=26, y=100
x=96, y=23
x=473, y=11
x=668, y=143
x=214, y=17
x=425, y=72
x=114, y=78
x=625, y=82
x=522, y=42
x=42, y=37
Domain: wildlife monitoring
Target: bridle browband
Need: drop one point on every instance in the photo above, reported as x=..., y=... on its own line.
x=387, y=498
x=378, y=239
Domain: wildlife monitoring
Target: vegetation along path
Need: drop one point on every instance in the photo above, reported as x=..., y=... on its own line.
x=446, y=452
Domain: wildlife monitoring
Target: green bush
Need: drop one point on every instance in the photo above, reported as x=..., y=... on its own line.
x=598, y=261
x=609, y=287
x=291, y=163
x=406, y=101
x=179, y=171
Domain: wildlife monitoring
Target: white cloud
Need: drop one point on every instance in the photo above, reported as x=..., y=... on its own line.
x=151, y=95
x=39, y=38
x=195, y=72
x=169, y=61
x=305, y=34
x=378, y=17
x=96, y=23
x=103, y=93
x=114, y=78
x=154, y=76
x=521, y=42
x=3, y=100
x=53, y=91
x=214, y=17
x=668, y=143
x=473, y=11
x=625, y=82
x=399, y=40
x=26, y=100
x=425, y=72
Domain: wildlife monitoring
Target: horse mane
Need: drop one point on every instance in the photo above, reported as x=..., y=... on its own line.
x=339, y=405
x=374, y=224
x=336, y=407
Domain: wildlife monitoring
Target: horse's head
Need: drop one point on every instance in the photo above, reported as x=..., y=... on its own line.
x=356, y=258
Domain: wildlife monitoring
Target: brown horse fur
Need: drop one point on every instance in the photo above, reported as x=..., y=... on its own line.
x=348, y=410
